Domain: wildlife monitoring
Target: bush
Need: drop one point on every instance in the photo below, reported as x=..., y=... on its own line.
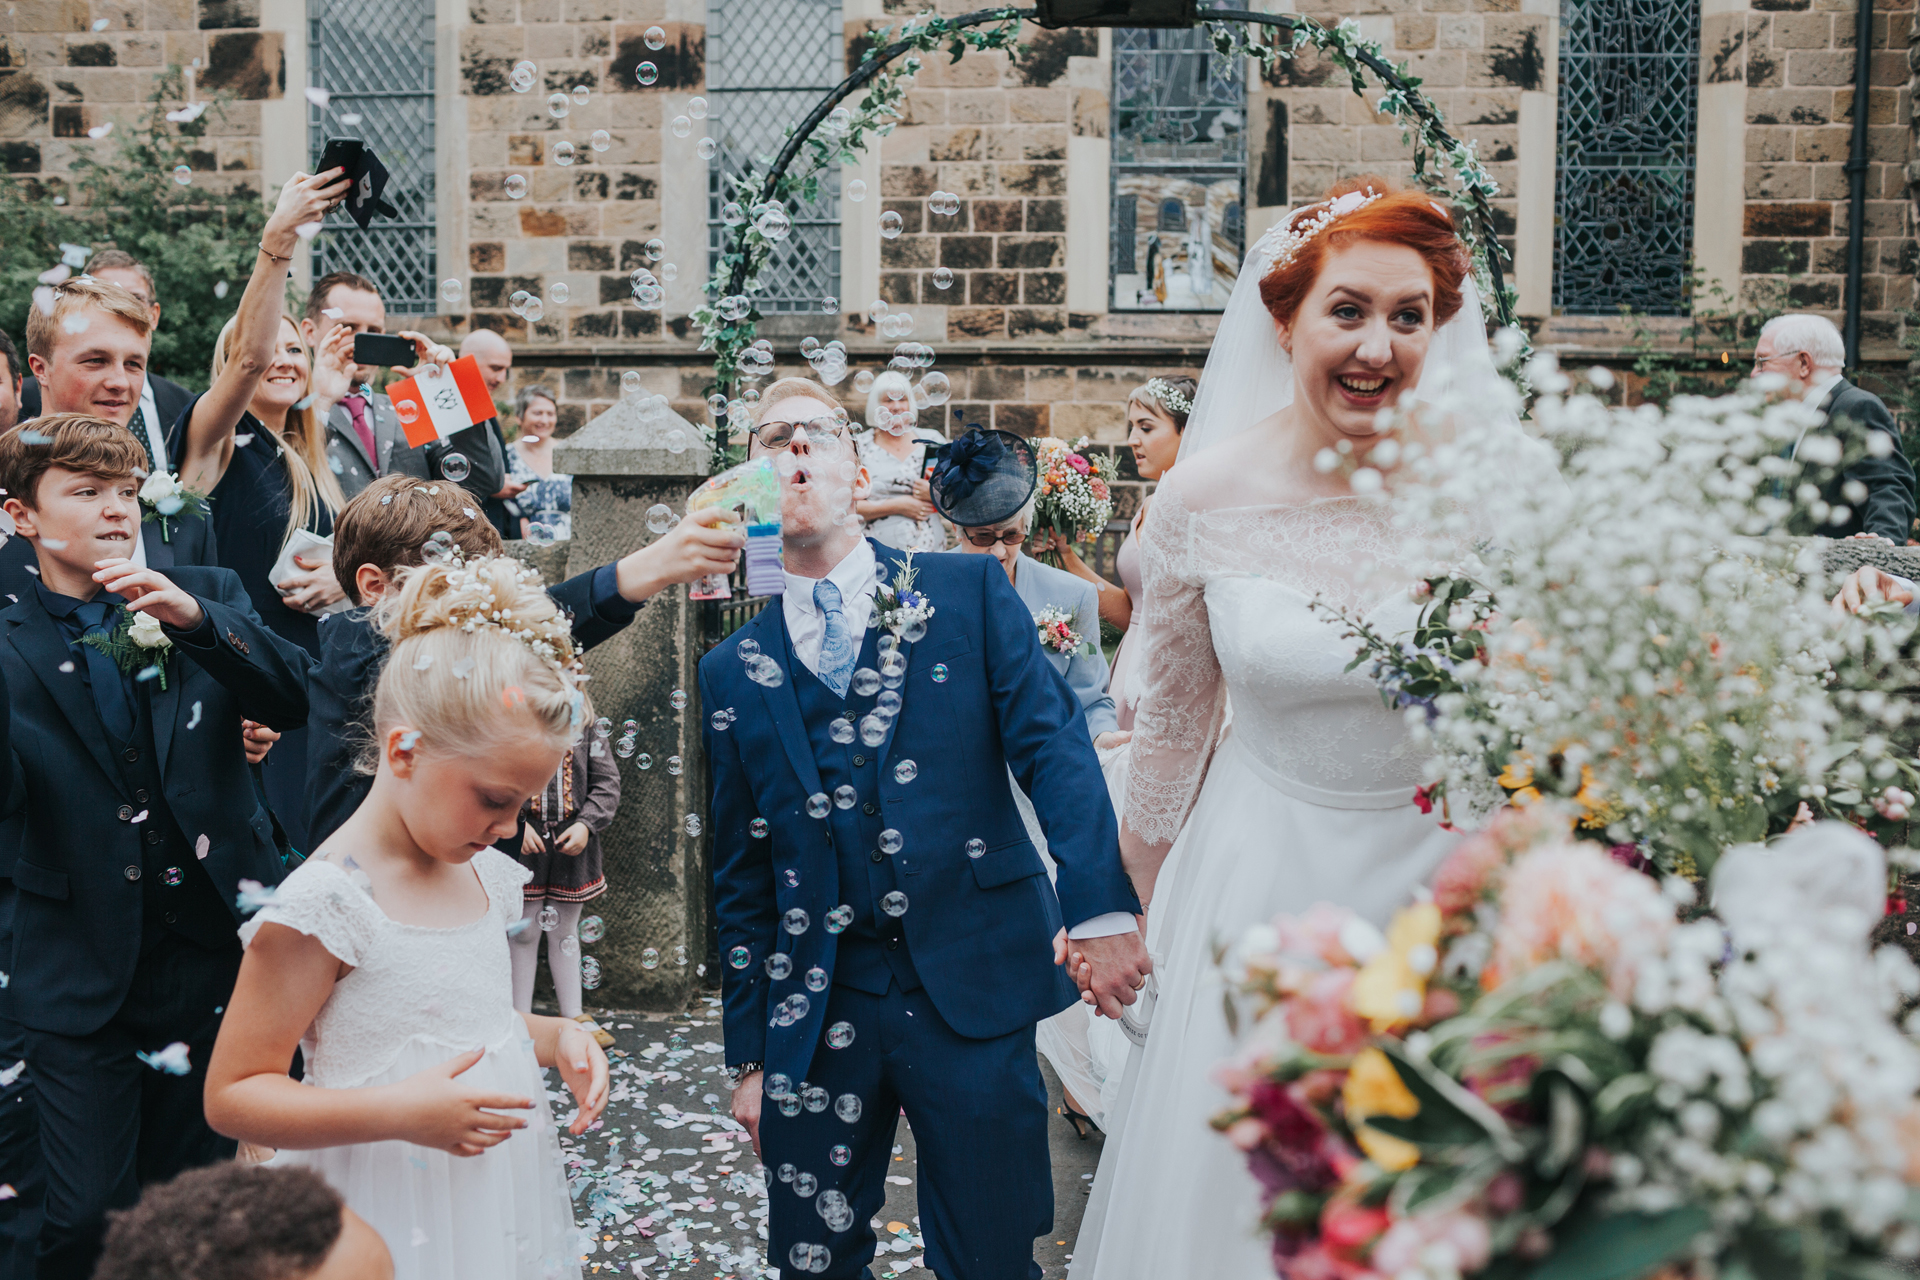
x=194, y=239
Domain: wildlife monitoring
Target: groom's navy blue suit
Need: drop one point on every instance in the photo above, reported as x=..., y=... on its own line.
x=942, y=999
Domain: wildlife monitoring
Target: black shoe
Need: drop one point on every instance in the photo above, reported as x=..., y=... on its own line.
x=1080, y=1120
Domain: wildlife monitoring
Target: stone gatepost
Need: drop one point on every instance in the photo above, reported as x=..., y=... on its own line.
x=635, y=455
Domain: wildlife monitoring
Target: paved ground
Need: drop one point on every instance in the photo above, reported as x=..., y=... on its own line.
x=669, y=1186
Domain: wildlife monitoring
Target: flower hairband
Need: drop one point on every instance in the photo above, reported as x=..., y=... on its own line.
x=1168, y=395
x=1285, y=240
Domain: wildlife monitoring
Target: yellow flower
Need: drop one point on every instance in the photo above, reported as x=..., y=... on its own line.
x=1391, y=986
x=1517, y=777
x=1374, y=1088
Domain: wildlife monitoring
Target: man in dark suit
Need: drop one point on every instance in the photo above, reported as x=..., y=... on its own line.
x=1875, y=493
x=161, y=401
x=495, y=357
x=138, y=825
x=364, y=437
x=890, y=935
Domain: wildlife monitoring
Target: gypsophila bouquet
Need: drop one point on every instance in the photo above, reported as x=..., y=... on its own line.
x=1538, y=1070
x=1055, y=626
x=1641, y=635
x=1074, y=498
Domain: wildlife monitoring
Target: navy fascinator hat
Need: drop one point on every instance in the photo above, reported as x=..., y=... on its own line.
x=983, y=477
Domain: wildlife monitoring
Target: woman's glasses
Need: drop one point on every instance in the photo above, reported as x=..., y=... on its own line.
x=987, y=537
x=778, y=435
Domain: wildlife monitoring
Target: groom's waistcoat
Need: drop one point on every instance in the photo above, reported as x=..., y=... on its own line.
x=873, y=949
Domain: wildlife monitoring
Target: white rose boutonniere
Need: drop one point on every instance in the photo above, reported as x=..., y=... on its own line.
x=163, y=497
x=136, y=644
x=900, y=609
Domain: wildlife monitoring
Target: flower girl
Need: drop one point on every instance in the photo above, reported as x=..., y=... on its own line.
x=385, y=956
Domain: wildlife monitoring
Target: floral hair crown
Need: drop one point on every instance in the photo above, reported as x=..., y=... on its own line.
x=1291, y=233
x=475, y=585
x=1168, y=395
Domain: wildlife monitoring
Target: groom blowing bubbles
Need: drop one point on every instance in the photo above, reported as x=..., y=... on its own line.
x=887, y=927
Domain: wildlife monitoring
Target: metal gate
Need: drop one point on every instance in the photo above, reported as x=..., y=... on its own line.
x=376, y=59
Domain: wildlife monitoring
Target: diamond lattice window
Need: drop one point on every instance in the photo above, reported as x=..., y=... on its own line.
x=768, y=63
x=1623, y=214
x=1179, y=171
x=376, y=58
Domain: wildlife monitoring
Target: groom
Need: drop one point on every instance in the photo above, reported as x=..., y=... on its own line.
x=887, y=930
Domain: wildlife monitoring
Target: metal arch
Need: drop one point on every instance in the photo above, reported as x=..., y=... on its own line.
x=1283, y=21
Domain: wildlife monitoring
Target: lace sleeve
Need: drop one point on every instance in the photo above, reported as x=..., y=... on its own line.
x=320, y=901
x=1181, y=696
x=503, y=878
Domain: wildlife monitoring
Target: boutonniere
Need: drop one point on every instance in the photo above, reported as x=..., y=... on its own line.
x=899, y=608
x=163, y=497
x=136, y=644
x=1057, y=633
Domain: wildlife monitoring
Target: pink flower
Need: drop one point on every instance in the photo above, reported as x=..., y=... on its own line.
x=1320, y=1016
x=1464, y=877
x=1568, y=901
x=1316, y=932
x=1460, y=1238
x=1079, y=464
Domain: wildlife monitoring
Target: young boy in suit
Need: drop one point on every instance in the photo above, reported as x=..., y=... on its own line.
x=386, y=528
x=137, y=823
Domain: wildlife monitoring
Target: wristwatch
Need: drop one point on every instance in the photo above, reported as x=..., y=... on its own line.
x=736, y=1074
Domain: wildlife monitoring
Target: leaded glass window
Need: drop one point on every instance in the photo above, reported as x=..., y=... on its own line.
x=1179, y=170
x=375, y=57
x=768, y=63
x=1623, y=214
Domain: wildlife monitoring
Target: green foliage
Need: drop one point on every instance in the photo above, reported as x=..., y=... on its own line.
x=193, y=239
x=1704, y=358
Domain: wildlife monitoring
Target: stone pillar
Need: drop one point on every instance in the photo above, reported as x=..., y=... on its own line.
x=658, y=876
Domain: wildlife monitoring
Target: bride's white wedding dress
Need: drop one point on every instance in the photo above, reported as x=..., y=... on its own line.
x=1306, y=797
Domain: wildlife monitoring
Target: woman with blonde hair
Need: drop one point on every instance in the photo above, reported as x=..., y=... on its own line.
x=896, y=453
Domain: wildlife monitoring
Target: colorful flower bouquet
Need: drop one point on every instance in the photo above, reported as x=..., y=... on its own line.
x=1539, y=1070
x=1074, y=499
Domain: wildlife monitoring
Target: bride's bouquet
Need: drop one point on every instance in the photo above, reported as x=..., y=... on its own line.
x=1644, y=639
x=1074, y=498
x=1538, y=1070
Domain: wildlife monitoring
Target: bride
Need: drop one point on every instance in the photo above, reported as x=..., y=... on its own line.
x=1307, y=795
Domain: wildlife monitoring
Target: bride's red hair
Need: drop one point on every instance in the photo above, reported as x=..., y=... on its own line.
x=1409, y=218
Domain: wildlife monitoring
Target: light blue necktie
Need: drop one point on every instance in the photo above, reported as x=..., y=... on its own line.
x=836, y=647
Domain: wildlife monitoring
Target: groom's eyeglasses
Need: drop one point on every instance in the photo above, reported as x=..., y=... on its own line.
x=987, y=537
x=778, y=435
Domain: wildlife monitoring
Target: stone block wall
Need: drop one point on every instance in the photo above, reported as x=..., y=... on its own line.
x=1796, y=59
x=68, y=67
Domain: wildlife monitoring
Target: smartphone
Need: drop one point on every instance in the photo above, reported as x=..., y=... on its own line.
x=340, y=153
x=383, y=349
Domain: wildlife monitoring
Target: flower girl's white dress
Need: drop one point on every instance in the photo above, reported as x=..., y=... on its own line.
x=418, y=996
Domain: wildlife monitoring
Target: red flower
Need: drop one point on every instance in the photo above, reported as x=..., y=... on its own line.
x=1079, y=464
x=1423, y=798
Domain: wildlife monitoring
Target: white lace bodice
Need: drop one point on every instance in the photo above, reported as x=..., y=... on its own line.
x=410, y=984
x=1226, y=618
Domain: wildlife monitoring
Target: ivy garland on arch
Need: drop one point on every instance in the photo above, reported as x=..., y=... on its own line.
x=833, y=134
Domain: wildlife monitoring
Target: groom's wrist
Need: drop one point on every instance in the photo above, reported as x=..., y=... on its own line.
x=736, y=1076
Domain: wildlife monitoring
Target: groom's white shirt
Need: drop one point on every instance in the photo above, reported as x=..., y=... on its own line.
x=807, y=627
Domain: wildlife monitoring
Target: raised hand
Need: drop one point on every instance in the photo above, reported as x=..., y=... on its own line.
x=148, y=592
x=304, y=199
x=426, y=351
x=705, y=542
x=332, y=375
x=435, y=1108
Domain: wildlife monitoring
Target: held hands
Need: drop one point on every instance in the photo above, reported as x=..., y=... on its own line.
x=705, y=542
x=582, y=1064
x=257, y=739
x=1112, y=738
x=438, y=1110
x=573, y=840
x=305, y=199
x=1869, y=586
x=746, y=1107
x=1109, y=971
x=148, y=592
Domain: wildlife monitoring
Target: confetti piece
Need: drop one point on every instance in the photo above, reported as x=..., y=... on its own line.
x=409, y=739
x=201, y=846
x=187, y=114
x=67, y=667
x=195, y=721
x=319, y=97
x=172, y=1059
x=140, y=816
x=100, y=130
x=243, y=440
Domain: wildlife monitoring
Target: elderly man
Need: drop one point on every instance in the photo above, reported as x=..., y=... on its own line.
x=1875, y=492
x=364, y=438
x=495, y=358
x=1065, y=609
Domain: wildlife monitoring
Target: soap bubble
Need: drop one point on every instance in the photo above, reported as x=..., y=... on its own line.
x=455, y=467
x=676, y=441
x=623, y=748
x=592, y=929
x=732, y=214
x=866, y=682
x=887, y=704
x=774, y=224
x=839, y=918
x=558, y=292
x=841, y=730
x=839, y=1035
x=697, y=108
x=705, y=148
x=779, y=966
x=516, y=186
x=589, y=972
x=669, y=272
x=935, y=388
x=863, y=381
x=720, y=721
x=890, y=224
x=677, y=699
x=673, y=765
x=795, y=921
x=817, y=979
x=829, y=305
x=943, y=277
x=891, y=841
x=522, y=76
x=643, y=760
x=601, y=140
x=847, y=1107
x=646, y=73
x=659, y=518
x=906, y=771
x=533, y=310
x=739, y=957
x=183, y=175
x=693, y=824
x=845, y=797
x=873, y=730
x=558, y=105
x=655, y=38
x=939, y=673
x=452, y=290
x=549, y=918
x=838, y=120
x=778, y=1084
x=563, y=154
x=682, y=126
x=650, y=958
x=894, y=904
x=757, y=828
x=856, y=191
x=818, y=805
x=976, y=847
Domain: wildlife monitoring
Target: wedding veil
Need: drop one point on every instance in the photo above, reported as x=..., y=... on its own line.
x=1249, y=375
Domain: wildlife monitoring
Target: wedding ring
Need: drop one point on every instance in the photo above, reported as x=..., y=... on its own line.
x=1140, y=985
